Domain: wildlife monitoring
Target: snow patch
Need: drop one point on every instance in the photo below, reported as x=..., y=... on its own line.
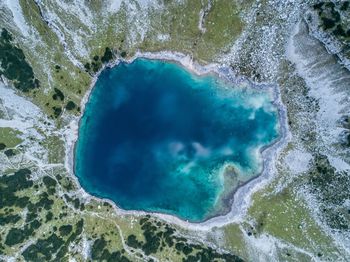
x=14, y=103
x=18, y=17
x=328, y=82
x=298, y=161
x=339, y=164
x=262, y=247
x=26, y=117
x=114, y=5
x=163, y=37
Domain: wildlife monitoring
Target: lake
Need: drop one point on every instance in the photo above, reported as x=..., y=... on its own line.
x=156, y=137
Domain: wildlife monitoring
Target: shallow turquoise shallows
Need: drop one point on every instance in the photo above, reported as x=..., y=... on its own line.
x=157, y=138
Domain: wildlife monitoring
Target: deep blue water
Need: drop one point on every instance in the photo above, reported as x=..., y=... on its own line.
x=155, y=137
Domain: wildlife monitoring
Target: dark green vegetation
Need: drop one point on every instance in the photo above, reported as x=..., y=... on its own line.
x=9, y=184
x=59, y=96
x=18, y=235
x=2, y=146
x=28, y=218
x=65, y=230
x=9, y=152
x=54, y=246
x=47, y=225
x=334, y=17
x=100, y=252
x=57, y=111
x=107, y=56
x=332, y=189
x=70, y=105
x=14, y=65
x=159, y=236
x=330, y=17
x=97, y=62
x=43, y=249
x=50, y=184
x=7, y=219
x=345, y=122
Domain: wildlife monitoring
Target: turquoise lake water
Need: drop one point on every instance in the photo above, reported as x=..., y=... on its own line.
x=156, y=137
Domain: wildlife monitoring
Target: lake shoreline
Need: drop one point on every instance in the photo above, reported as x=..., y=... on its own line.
x=239, y=199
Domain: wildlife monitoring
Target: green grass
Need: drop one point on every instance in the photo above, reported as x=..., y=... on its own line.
x=178, y=21
x=234, y=239
x=181, y=24
x=55, y=149
x=10, y=137
x=223, y=25
x=284, y=216
x=43, y=57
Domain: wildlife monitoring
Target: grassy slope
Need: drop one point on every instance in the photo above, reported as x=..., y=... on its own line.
x=10, y=137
